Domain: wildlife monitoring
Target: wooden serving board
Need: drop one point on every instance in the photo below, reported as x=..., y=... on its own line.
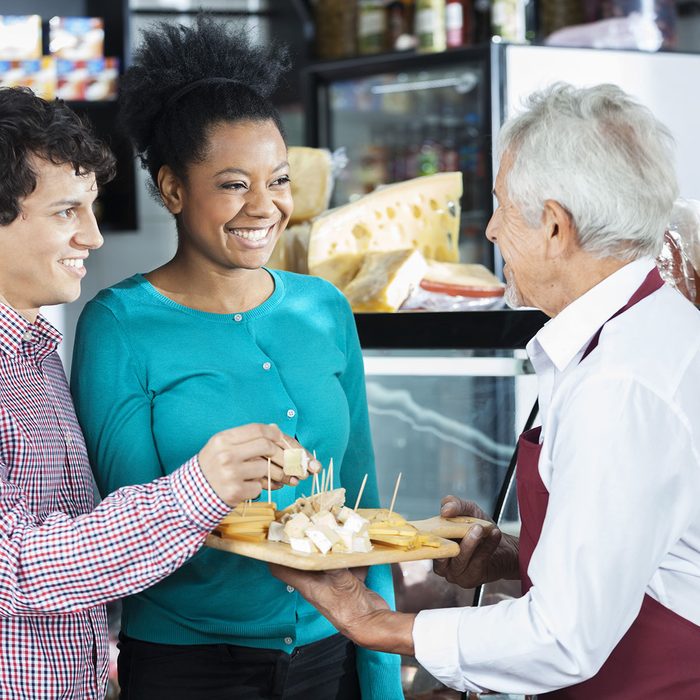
x=280, y=553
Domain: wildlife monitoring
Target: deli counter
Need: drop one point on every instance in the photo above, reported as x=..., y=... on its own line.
x=448, y=395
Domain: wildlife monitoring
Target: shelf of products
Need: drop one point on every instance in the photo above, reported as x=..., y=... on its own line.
x=75, y=51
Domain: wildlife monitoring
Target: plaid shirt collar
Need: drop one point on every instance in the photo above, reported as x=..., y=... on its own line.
x=14, y=328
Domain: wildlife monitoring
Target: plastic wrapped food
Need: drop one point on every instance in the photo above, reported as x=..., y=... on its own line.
x=679, y=260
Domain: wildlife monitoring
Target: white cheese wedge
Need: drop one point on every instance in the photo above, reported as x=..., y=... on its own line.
x=302, y=545
x=296, y=526
x=311, y=175
x=323, y=537
x=344, y=514
x=346, y=537
x=276, y=532
x=296, y=462
x=355, y=523
x=385, y=280
x=361, y=544
x=422, y=213
x=325, y=518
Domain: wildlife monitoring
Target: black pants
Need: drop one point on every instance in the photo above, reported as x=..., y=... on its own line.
x=325, y=670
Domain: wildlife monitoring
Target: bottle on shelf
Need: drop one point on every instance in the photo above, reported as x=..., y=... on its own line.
x=371, y=29
x=430, y=25
x=481, y=21
x=471, y=160
x=459, y=23
x=336, y=29
x=429, y=153
x=399, y=25
x=508, y=20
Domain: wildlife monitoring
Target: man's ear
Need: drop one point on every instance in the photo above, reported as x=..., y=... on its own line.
x=559, y=229
x=170, y=188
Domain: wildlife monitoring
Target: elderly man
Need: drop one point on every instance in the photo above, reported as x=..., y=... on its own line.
x=609, y=484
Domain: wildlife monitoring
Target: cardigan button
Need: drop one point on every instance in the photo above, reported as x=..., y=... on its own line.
x=238, y=318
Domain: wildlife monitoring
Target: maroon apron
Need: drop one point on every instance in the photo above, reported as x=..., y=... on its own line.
x=659, y=655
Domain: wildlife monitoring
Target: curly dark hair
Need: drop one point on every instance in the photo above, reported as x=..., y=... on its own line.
x=183, y=80
x=30, y=125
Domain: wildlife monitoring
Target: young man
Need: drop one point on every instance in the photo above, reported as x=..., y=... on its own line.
x=61, y=558
x=609, y=549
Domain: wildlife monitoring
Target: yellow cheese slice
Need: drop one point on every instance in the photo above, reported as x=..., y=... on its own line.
x=462, y=274
x=422, y=213
x=310, y=171
x=385, y=280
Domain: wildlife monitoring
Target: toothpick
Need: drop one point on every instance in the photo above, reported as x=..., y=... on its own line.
x=269, y=485
x=289, y=447
x=359, y=495
x=323, y=480
x=315, y=484
x=330, y=475
x=393, y=498
x=245, y=505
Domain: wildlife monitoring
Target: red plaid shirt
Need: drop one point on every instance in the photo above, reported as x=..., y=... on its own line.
x=62, y=558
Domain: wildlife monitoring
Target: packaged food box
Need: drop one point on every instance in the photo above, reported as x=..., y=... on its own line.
x=76, y=38
x=20, y=37
x=38, y=74
x=94, y=80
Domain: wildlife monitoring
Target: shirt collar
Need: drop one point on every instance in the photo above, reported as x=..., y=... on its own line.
x=567, y=334
x=14, y=329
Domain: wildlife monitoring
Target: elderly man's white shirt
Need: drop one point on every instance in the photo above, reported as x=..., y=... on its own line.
x=621, y=461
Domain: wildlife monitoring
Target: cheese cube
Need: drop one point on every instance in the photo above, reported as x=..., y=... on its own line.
x=323, y=537
x=346, y=536
x=423, y=213
x=276, y=532
x=296, y=462
x=385, y=280
x=296, y=526
x=344, y=514
x=325, y=518
x=361, y=544
x=302, y=545
x=355, y=523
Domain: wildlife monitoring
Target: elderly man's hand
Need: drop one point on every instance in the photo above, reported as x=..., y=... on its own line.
x=354, y=610
x=485, y=555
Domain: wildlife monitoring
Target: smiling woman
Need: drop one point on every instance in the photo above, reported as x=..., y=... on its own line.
x=214, y=338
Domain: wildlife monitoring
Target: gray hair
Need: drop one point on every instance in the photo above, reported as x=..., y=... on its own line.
x=601, y=155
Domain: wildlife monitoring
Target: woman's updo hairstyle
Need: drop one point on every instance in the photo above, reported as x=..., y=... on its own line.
x=183, y=80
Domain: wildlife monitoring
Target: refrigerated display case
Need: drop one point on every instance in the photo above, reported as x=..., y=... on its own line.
x=402, y=115
x=446, y=405
x=399, y=116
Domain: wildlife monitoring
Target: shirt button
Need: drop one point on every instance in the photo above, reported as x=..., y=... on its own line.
x=290, y=589
x=288, y=640
x=28, y=335
x=266, y=365
x=238, y=318
x=69, y=439
x=291, y=413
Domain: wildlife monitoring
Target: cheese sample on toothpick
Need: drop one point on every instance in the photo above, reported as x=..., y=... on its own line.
x=422, y=213
x=311, y=175
x=296, y=462
x=385, y=280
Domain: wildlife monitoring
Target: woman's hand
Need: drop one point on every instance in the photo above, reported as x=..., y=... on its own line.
x=235, y=461
x=485, y=555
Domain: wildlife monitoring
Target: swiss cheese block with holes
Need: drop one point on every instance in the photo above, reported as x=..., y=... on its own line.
x=423, y=213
